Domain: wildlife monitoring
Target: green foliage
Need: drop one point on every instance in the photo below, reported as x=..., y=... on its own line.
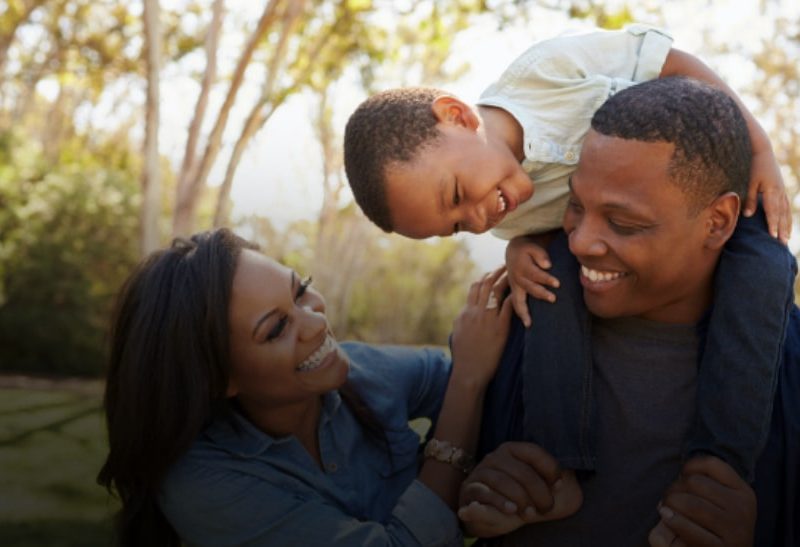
x=67, y=239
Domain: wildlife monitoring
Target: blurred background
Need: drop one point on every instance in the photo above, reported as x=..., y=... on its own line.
x=124, y=124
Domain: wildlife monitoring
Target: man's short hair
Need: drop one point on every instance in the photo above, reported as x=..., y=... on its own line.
x=389, y=127
x=712, y=145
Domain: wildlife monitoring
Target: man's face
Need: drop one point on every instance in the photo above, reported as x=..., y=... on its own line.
x=462, y=183
x=641, y=253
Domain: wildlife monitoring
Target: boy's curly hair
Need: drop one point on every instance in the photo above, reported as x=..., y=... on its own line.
x=712, y=145
x=389, y=127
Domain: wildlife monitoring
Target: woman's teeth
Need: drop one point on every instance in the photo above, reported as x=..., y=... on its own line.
x=502, y=204
x=595, y=275
x=315, y=359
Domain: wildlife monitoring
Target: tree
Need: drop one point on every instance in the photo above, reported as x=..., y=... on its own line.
x=151, y=175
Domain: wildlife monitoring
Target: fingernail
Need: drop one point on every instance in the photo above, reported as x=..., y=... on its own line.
x=529, y=512
x=551, y=298
x=510, y=507
x=461, y=511
x=665, y=512
x=748, y=212
x=556, y=283
x=558, y=485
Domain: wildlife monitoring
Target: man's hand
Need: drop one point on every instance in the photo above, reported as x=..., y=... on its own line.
x=709, y=505
x=766, y=179
x=526, y=262
x=519, y=483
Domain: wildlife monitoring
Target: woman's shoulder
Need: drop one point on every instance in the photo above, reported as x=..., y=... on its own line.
x=389, y=364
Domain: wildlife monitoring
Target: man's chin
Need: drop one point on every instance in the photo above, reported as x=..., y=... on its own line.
x=601, y=307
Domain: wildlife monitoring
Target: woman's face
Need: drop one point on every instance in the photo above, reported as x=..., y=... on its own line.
x=282, y=349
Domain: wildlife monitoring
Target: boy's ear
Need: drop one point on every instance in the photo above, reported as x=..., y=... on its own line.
x=722, y=218
x=449, y=109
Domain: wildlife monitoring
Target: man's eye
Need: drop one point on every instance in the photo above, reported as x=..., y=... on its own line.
x=276, y=331
x=574, y=205
x=624, y=229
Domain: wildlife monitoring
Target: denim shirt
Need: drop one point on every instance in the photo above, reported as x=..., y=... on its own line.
x=239, y=486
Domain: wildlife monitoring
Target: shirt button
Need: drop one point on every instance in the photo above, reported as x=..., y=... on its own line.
x=569, y=156
x=332, y=467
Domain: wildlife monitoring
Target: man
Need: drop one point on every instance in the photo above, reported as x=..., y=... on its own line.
x=655, y=197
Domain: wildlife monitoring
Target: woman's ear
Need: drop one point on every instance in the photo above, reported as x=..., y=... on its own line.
x=722, y=218
x=452, y=110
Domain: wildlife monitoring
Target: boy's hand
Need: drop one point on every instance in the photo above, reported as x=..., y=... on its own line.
x=709, y=505
x=526, y=262
x=766, y=179
x=519, y=483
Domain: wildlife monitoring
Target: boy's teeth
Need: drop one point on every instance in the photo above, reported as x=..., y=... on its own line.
x=501, y=202
x=315, y=359
x=596, y=275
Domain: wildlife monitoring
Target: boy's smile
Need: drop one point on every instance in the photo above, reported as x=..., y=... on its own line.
x=462, y=182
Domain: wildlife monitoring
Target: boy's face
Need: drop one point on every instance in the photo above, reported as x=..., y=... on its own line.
x=461, y=183
x=641, y=253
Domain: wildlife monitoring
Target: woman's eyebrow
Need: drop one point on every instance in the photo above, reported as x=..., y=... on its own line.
x=272, y=311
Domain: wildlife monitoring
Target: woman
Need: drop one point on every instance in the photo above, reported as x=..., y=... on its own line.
x=234, y=416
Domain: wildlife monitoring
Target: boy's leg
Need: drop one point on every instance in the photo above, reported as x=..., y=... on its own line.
x=556, y=367
x=753, y=294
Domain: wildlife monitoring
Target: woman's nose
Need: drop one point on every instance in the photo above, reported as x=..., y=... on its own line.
x=313, y=321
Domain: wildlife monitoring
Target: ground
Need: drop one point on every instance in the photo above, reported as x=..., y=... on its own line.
x=52, y=443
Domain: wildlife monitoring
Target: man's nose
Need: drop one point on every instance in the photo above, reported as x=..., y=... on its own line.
x=584, y=240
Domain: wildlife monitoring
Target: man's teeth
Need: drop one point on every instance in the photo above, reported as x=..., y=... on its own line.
x=315, y=359
x=502, y=204
x=595, y=275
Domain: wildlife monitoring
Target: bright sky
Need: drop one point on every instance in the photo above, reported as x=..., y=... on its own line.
x=276, y=176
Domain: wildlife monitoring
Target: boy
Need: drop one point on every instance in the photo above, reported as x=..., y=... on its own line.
x=423, y=163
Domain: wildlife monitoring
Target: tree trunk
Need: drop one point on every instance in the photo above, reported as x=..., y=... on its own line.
x=189, y=165
x=151, y=175
x=261, y=111
x=187, y=198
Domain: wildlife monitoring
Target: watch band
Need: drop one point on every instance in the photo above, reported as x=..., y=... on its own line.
x=445, y=452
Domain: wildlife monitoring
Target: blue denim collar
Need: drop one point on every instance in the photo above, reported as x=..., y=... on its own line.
x=239, y=436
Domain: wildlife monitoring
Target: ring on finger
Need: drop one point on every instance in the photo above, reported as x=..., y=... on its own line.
x=491, y=304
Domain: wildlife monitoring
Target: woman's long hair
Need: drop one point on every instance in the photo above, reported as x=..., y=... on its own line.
x=167, y=374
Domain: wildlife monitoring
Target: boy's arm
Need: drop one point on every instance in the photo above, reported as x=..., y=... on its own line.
x=765, y=175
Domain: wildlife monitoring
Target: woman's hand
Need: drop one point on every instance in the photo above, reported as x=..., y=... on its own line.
x=481, y=329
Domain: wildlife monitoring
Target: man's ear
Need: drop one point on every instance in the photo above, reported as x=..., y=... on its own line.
x=232, y=390
x=722, y=218
x=451, y=110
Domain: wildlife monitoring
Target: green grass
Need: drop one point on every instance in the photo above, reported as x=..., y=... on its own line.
x=52, y=444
